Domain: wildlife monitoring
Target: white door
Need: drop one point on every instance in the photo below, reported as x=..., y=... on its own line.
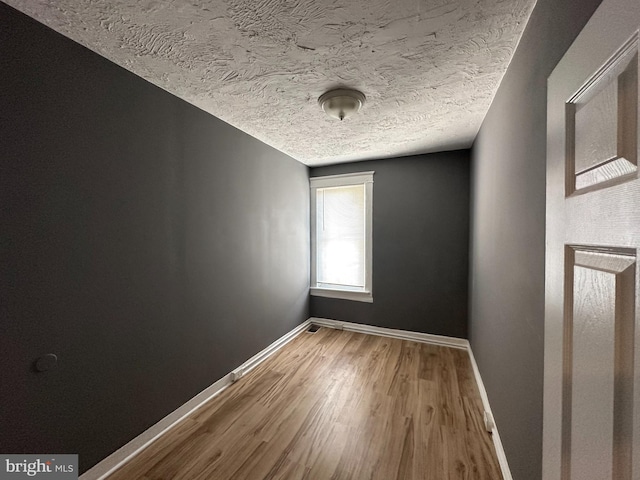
x=592, y=331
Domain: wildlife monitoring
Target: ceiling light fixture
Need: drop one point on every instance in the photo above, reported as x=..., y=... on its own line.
x=341, y=103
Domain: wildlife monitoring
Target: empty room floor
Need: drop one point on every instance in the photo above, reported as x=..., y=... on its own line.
x=334, y=405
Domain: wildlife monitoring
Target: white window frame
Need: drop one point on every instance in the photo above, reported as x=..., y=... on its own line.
x=360, y=178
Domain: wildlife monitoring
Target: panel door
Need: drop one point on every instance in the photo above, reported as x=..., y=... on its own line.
x=592, y=348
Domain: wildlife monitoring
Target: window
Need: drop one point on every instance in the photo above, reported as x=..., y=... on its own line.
x=341, y=253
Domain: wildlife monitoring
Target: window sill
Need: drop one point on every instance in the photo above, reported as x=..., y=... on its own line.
x=358, y=296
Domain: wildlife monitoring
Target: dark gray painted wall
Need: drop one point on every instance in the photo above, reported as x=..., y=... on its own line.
x=149, y=245
x=508, y=211
x=420, y=245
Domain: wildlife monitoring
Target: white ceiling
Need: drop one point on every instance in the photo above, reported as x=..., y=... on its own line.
x=429, y=68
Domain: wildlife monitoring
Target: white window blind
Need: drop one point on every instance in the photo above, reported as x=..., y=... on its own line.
x=341, y=236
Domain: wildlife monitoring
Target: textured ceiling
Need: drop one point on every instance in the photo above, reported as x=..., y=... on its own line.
x=429, y=68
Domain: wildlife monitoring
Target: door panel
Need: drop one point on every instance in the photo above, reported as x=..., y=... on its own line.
x=602, y=123
x=597, y=328
x=591, y=397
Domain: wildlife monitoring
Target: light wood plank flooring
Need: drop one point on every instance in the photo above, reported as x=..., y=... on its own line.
x=334, y=405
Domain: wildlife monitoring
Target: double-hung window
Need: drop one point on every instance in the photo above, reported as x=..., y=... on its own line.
x=341, y=234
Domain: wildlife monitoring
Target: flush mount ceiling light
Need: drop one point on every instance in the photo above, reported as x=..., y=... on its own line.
x=342, y=102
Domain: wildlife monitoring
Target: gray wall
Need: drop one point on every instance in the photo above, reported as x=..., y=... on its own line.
x=420, y=245
x=508, y=234
x=152, y=247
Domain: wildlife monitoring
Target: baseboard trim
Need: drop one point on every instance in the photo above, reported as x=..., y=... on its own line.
x=434, y=340
x=261, y=356
x=497, y=442
x=121, y=456
x=392, y=333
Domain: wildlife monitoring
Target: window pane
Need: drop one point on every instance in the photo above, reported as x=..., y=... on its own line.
x=341, y=235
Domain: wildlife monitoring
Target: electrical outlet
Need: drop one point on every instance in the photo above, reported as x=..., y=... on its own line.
x=488, y=422
x=237, y=375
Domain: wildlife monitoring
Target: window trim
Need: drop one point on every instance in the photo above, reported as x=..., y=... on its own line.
x=359, y=178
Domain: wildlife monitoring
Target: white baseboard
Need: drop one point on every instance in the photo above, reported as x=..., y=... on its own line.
x=502, y=457
x=434, y=340
x=121, y=456
x=389, y=332
x=261, y=356
x=135, y=446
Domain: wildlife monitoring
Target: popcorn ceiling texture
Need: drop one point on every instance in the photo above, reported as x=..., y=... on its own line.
x=429, y=68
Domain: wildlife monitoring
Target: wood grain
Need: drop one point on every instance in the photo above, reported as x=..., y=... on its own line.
x=591, y=425
x=592, y=379
x=335, y=405
x=602, y=125
x=597, y=127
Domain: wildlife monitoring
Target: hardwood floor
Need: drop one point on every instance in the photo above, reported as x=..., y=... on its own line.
x=334, y=405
